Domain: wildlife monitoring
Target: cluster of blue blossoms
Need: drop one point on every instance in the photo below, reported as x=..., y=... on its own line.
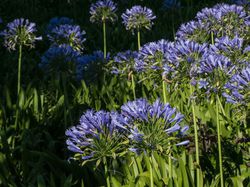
x=211, y=63
x=139, y=127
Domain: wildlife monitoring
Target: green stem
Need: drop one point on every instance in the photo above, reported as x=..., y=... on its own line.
x=151, y=171
x=164, y=91
x=212, y=38
x=104, y=41
x=219, y=141
x=106, y=172
x=133, y=85
x=18, y=84
x=138, y=39
x=66, y=101
x=196, y=139
x=19, y=69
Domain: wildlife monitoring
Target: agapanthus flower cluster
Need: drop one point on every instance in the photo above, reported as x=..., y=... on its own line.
x=214, y=71
x=184, y=60
x=138, y=17
x=153, y=127
x=237, y=89
x=60, y=59
x=152, y=56
x=68, y=34
x=245, y=3
x=123, y=62
x=220, y=20
x=232, y=48
x=84, y=61
x=103, y=11
x=20, y=32
x=56, y=21
x=141, y=126
x=96, y=136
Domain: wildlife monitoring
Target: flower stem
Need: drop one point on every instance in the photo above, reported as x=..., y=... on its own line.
x=104, y=41
x=133, y=85
x=19, y=69
x=219, y=141
x=196, y=139
x=151, y=171
x=138, y=39
x=106, y=172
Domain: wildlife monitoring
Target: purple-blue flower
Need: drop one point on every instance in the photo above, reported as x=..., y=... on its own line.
x=237, y=89
x=138, y=17
x=153, y=55
x=68, y=34
x=96, y=136
x=152, y=127
x=103, y=11
x=56, y=21
x=60, y=58
x=20, y=32
x=123, y=62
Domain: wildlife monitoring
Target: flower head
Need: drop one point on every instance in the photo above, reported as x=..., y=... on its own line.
x=103, y=11
x=60, y=58
x=68, y=34
x=123, y=62
x=20, y=32
x=152, y=127
x=152, y=56
x=56, y=21
x=96, y=136
x=138, y=17
x=237, y=89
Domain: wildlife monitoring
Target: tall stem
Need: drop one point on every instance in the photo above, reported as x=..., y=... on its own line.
x=219, y=141
x=151, y=171
x=196, y=139
x=104, y=41
x=138, y=39
x=164, y=92
x=106, y=172
x=133, y=85
x=19, y=69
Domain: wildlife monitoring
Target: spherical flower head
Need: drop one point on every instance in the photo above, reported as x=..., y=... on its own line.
x=56, y=21
x=184, y=61
x=60, y=59
x=123, y=62
x=69, y=35
x=20, y=32
x=152, y=57
x=85, y=61
x=138, y=17
x=97, y=136
x=152, y=127
x=237, y=89
x=232, y=18
x=214, y=71
x=103, y=11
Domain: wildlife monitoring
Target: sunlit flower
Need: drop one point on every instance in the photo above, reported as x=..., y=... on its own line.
x=138, y=17
x=103, y=11
x=20, y=32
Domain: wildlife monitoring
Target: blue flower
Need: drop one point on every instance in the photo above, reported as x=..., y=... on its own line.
x=20, y=32
x=152, y=127
x=68, y=34
x=103, y=11
x=96, y=136
x=59, y=58
x=214, y=71
x=56, y=21
x=237, y=89
x=153, y=55
x=123, y=62
x=138, y=17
